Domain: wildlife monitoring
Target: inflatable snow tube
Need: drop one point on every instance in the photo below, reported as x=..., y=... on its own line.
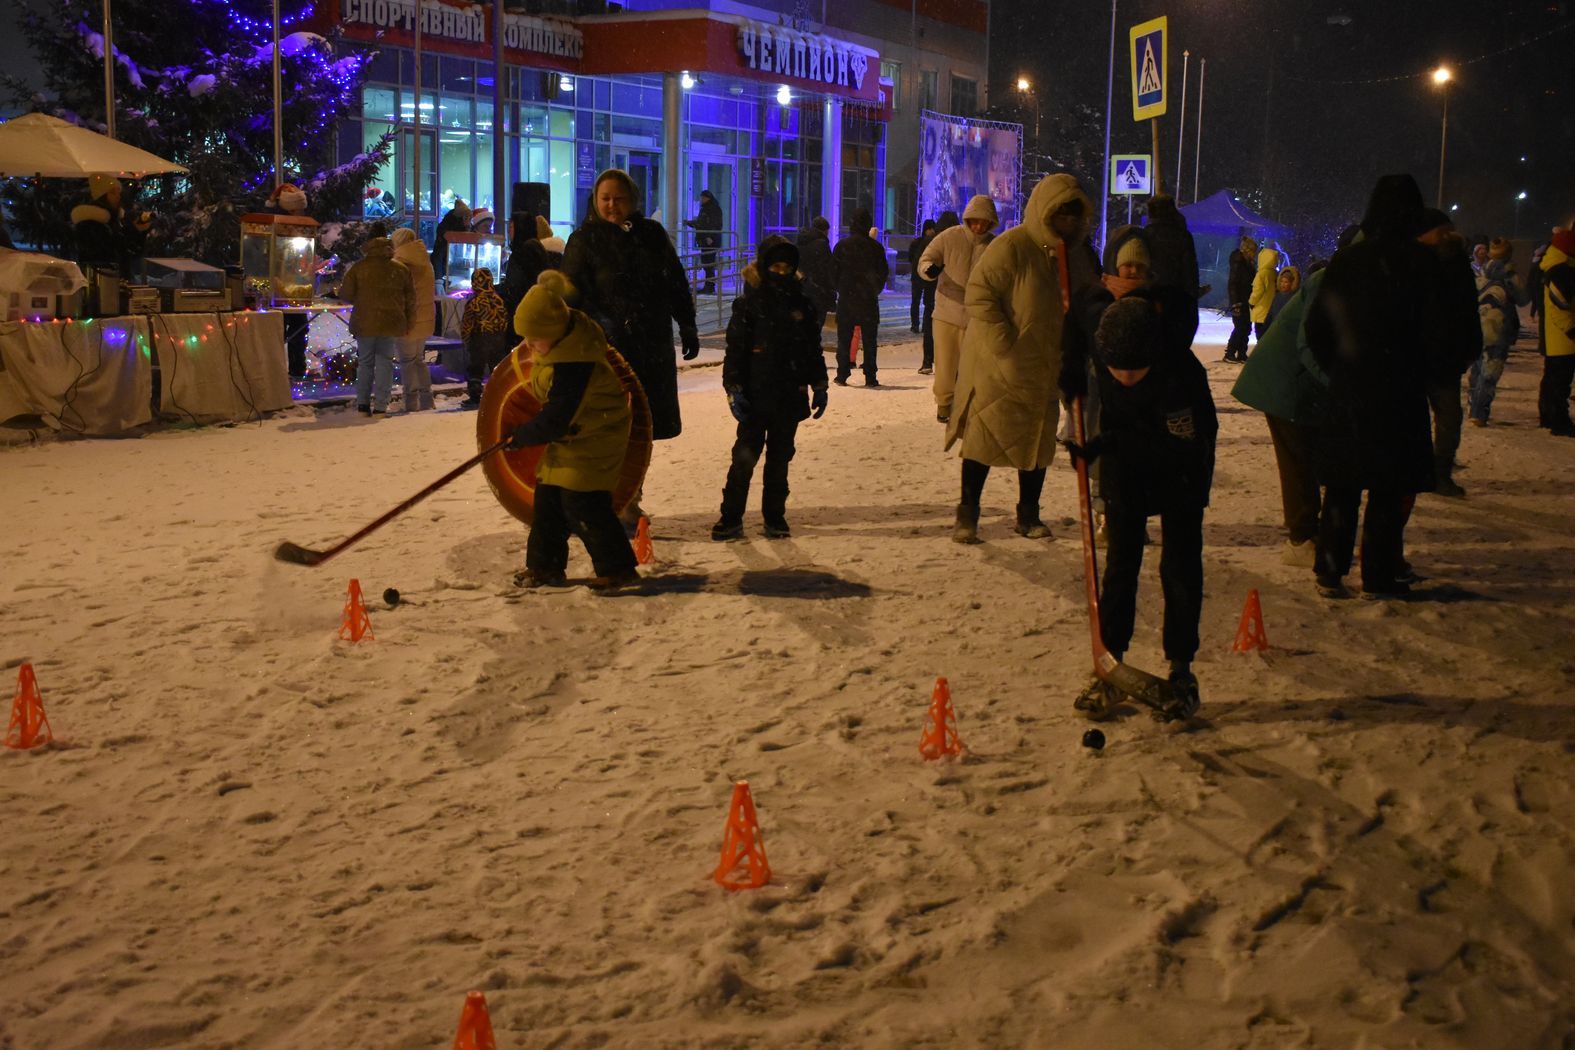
x=506, y=402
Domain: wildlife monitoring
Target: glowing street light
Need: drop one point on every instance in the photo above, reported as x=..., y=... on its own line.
x=1441, y=77
x=1518, y=198
x=1023, y=85
x=1026, y=87
x=784, y=96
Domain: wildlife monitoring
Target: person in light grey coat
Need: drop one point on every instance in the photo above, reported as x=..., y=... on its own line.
x=948, y=261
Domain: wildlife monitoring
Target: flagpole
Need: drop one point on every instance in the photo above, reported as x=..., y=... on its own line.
x=1197, y=157
x=1181, y=132
x=1110, y=93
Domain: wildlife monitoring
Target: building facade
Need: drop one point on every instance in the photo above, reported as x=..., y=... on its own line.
x=783, y=110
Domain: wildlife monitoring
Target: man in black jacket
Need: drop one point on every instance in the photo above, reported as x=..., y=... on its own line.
x=1173, y=255
x=707, y=226
x=923, y=296
x=814, y=262
x=1238, y=288
x=858, y=271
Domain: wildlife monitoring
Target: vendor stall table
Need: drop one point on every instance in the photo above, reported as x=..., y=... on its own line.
x=95, y=377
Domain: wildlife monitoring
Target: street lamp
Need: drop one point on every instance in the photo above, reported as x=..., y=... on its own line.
x=1518, y=198
x=1441, y=77
x=1026, y=87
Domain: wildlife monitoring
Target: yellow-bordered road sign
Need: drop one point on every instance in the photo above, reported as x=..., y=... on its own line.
x=1149, y=68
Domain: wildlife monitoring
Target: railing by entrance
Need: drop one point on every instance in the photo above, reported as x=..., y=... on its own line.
x=728, y=283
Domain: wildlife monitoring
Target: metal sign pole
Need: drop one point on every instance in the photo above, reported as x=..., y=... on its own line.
x=278, y=109
x=109, y=74
x=1181, y=132
x=1110, y=92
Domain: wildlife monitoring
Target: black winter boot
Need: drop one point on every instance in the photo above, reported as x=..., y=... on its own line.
x=1029, y=523
x=966, y=530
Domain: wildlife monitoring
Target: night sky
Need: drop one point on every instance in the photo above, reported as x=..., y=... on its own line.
x=1285, y=125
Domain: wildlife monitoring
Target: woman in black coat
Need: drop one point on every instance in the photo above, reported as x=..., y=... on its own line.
x=1374, y=327
x=627, y=275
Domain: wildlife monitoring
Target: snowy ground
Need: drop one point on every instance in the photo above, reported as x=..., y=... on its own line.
x=254, y=835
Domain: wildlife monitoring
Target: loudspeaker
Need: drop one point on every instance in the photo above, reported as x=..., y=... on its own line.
x=533, y=198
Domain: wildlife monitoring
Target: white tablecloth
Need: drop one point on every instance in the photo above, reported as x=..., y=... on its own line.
x=216, y=367
x=84, y=377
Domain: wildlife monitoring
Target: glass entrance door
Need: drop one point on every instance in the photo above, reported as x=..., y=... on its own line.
x=646, y=171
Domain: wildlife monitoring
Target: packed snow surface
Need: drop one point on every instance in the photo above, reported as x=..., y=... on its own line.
x=251, y=834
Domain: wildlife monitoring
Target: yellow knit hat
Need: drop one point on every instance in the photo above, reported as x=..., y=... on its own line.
x=543, y=314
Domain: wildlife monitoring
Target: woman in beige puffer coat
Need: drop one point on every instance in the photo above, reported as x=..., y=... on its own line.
x=1007, y=404
x=948, y=261
x=414, y=375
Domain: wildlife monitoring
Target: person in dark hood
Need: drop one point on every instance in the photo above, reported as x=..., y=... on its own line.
x=455, y=220
x=916, y=304
x=774, y=374
x=814, y=262
x=1374, y=328
x=1238, y=289
x=527, y=259
x=858, y=272
x=1461, y=331
x=707, y=226
x=628, y=278
x=1173, y=255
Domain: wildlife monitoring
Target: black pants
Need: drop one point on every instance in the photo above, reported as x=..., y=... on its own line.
x=1180, y=577
x=1383, y=535
x=772, y=433
x=1299, y=494
x=923, y=314
x=484, y=351
x=1553, y=395
x=296, y=329
x=845, y=326
x=562, y=512
x=1447, y=417
x=1030, y=483
x=1241, y=328
x=708, y=263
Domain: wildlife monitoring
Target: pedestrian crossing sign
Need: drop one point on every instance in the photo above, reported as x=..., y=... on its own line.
x=1148, y=68
x=1129, y=173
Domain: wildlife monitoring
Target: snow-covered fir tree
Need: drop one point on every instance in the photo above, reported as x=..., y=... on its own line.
x=193, y=84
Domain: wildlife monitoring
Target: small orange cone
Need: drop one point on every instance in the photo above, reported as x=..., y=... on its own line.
x=743, y=865
x=644, y=553
x=475, y=1026
x=853, y=347
x=357, y=625
x=1250, y=635
x=940, y=725
x=29, y=726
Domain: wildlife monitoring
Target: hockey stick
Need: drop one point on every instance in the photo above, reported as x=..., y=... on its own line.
x=298, y=555
x=1141, y=686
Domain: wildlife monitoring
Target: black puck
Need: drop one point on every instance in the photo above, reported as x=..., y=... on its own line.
x=391, y=596
x=1095, y=739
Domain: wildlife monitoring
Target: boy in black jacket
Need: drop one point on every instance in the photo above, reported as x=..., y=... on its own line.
x=773, y=361
x=1157, y=430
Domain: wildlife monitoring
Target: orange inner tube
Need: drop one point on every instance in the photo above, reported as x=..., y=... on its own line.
x=506, y=402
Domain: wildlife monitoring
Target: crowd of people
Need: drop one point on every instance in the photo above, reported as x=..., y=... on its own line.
x=1357, y=365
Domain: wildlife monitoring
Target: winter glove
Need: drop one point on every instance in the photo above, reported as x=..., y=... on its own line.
x=519, y=437
x=691, y=340
x=1086, y=452
x=738, y=404
x=818, y=403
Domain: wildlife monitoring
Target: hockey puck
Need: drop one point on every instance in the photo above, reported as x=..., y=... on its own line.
x=391, y=596
x=1095, y=739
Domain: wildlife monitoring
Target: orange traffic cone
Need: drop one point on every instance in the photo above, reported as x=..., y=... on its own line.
x=475, y=1026
x=853, y=347
x=29, y=726
x=940, y=725
x=643, y=551
x=743, y=865
x=357, y=625
x=1250, y=634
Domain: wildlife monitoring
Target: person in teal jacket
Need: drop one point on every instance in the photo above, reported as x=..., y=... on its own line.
x=1281, y=380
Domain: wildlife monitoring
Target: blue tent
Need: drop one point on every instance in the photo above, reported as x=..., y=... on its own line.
x=1217, y=224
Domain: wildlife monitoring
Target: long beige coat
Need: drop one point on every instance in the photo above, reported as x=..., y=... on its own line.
x=1007, y=405
x=950, y=259
x=423, y=286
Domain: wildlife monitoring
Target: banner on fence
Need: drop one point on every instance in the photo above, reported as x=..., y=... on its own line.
x=959, y=158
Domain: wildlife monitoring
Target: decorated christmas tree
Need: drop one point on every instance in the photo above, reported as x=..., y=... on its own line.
x=194, y=84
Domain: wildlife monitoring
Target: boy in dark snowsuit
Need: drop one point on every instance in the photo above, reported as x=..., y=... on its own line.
x=1157, y=430
x=773, y=363
x=485, y=329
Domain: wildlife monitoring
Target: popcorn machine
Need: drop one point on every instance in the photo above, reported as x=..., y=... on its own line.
x=279, y=259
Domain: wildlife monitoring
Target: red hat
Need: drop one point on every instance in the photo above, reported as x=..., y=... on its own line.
x=1564, y=241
